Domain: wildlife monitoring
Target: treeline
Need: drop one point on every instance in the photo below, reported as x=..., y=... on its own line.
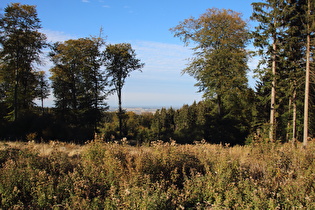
x=189, y=124
x=87, y=70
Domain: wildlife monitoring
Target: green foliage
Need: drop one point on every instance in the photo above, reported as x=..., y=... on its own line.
x=220, y=61
x=120, y=61
x=77, y=80
x=21, y=44
x=280, y=37
x=231, y=113
x=78, y=83
x=185, y=125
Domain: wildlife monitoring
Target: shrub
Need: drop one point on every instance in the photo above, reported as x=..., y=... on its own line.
x=160, y=176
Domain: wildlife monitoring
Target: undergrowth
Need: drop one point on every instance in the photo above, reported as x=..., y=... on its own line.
x=102, y=175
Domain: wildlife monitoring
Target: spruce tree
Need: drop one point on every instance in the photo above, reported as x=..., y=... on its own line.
x=267, y=37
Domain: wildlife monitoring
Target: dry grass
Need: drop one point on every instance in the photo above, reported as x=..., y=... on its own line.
x=102, y=175
x=45, y=149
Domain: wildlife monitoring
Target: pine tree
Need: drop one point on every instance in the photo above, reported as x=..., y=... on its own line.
x=294, y=63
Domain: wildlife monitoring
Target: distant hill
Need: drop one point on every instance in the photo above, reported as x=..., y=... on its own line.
x=137, y=110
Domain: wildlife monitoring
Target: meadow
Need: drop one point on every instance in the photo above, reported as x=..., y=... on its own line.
x=161, y=175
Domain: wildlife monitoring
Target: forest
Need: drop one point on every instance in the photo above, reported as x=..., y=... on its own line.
x=87, y=70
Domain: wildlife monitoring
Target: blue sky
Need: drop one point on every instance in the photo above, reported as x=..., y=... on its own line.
x=145, y=24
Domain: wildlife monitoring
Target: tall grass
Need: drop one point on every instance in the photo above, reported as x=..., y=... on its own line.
x=102, y=175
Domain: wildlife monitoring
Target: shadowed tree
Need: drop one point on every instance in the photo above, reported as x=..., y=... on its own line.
x=21, y=44
x=78, y=82
x=120, y=61
x=42, y=88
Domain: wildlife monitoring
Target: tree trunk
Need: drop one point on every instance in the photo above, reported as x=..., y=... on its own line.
x=95, y=101
x=42, y=100
x=219, y=105
x=294, y=116
x=272, y=132
x=307, y=80
x=289, y=121
x=120, y=112
x=16, y=85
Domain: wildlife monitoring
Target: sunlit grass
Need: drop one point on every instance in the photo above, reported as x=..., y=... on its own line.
x=101, y=175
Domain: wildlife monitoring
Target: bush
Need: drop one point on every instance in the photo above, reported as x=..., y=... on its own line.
x=160, y=176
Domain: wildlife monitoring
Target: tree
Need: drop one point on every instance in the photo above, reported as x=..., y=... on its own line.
x=220, y=62
x=21, y=45
x=219, y=66
x=294, y=51
x=120, y=61
x=309, y=25
x=284, y=38
x=266, y=37
x=78, y=82
x=42, y=88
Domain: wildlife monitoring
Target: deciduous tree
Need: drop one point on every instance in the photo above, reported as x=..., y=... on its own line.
x=120, y=61
x=78, y=81
x=220, y=62
x=21, y=45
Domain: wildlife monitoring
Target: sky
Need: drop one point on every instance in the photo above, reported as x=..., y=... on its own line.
x=145, y=25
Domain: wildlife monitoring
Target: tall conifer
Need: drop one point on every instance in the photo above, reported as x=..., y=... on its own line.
x=267, y=37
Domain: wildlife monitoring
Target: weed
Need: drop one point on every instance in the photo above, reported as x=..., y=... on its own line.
x=103, y=175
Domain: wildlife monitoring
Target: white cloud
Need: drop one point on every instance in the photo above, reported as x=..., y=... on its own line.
x=106, y=6
x=57, y=36
x=162, y=57
x=86, y=1
x=161, y=82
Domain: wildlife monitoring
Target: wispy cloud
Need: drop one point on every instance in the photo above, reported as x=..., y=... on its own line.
x=162, y=56
x=128, y=8
x=86, y=1
x=57, y=36
x=106, y=6
x=160, y=82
